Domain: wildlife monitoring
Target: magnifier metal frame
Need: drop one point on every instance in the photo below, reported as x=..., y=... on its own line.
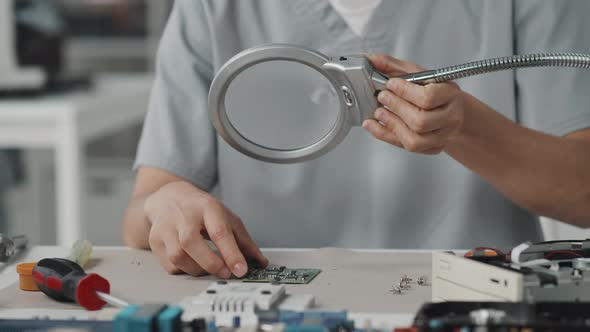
x=274, y=52
x=356, y=83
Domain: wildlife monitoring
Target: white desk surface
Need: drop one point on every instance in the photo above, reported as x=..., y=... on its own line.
x=356, y=280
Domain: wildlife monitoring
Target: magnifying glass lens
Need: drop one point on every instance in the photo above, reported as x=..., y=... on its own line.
x=282, y=105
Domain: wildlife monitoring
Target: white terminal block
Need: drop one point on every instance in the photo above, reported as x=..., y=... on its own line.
x=224, y=302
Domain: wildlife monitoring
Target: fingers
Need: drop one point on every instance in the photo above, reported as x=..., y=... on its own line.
x=396, y=132
x=382, y=133
x=182, y=217
x=426, y=97
x=418, y=120
x=193, y=243
x=158, y=248
x=247, y=244
x=221, y=234
x=176, y=255
x=175, y=238
x=392, y=66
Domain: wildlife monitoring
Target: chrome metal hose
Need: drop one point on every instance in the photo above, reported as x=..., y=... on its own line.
x=574, y=60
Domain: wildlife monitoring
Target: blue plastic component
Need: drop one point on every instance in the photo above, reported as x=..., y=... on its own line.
x=169, y=319
x=305, y=328
x=122, y=321
x=435, y=324
x=211, y=327
x=148, y=318
x=328, y=319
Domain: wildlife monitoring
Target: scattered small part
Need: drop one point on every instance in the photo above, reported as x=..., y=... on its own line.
x=407, y=279
x=422, y=281
x=404, y=285
x=396, y=290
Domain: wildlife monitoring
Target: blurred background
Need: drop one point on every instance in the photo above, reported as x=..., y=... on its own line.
x=74, y=81
x=75, y=77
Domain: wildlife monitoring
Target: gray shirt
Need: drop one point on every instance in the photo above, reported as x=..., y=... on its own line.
x=366, y=193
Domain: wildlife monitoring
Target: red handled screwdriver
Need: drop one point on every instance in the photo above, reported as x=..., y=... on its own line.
x=66, y=281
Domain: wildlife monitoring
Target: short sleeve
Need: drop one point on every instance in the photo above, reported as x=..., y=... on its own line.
x=177, y=135
x=553, y=100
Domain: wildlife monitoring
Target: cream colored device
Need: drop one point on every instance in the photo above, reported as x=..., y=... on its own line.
x=455, y=278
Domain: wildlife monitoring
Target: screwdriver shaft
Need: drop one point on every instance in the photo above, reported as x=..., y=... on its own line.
x=116, y=302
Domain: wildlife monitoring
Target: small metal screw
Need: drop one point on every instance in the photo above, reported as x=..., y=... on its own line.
x=347, y=96
x=395, y=290
x=422, y=281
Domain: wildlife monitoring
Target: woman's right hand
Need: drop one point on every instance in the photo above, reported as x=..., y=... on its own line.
x=183, y=218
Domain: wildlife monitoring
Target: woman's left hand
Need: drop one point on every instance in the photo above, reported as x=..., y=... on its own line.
x=421, y=119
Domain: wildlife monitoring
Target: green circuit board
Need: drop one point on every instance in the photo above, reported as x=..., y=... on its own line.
x=281, y=274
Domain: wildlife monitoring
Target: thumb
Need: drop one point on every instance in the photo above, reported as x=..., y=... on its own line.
x=392, y=66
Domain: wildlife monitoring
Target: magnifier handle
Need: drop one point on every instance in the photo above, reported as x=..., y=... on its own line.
x=424, y=77
x=379, y=80
x=573, y=60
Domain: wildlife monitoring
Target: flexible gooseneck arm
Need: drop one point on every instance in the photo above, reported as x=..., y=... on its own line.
x=574, y=60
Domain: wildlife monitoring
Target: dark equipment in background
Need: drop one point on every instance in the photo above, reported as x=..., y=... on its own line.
x=40, y=42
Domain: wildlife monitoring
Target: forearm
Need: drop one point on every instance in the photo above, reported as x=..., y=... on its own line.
x=545, y=174
x=136, y=227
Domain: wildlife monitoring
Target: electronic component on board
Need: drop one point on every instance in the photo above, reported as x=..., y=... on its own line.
x=281, y=274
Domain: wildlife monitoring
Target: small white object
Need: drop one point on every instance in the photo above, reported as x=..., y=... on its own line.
x=225, y=301
x=515, y=253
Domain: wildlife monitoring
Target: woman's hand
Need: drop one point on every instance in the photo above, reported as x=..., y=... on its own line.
x=421, y=119
x=183, y=218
